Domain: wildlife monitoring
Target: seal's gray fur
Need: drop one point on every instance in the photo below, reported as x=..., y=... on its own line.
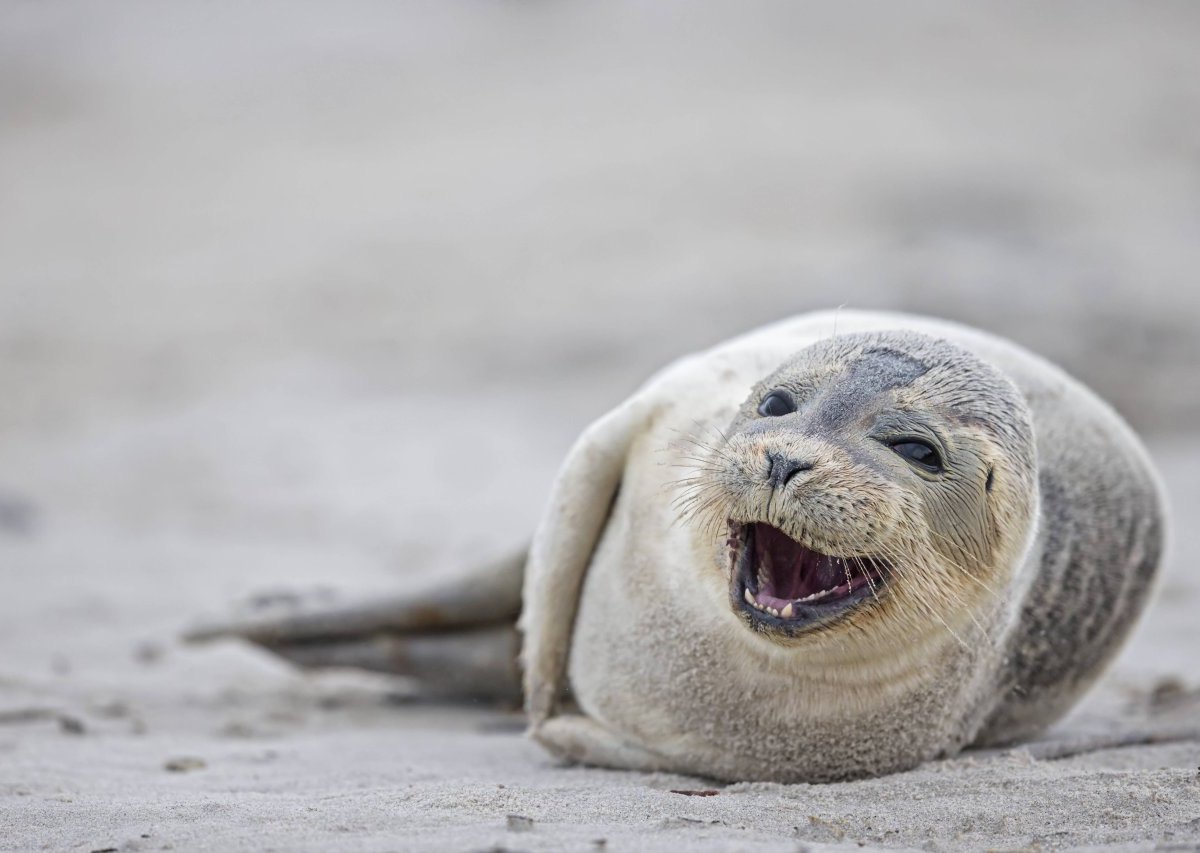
x=616, y=611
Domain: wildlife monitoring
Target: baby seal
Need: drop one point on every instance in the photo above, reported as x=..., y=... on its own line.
x=835, y=547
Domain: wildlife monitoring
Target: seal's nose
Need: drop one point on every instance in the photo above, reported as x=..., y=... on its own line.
x=782, y=468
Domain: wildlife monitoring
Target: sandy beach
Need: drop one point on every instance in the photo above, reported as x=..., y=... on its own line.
x=255, y=264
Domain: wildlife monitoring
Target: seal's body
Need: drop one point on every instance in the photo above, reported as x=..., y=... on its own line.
x=665, y=673
x=910, y=537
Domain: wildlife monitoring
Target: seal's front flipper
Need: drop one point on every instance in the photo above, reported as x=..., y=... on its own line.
x=562, y=548
x=582, y=740
x=488, y=596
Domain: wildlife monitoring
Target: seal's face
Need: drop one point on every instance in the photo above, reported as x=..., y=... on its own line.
x=873, y=479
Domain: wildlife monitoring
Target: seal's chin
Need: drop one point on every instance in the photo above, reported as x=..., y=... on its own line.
x=780, y=585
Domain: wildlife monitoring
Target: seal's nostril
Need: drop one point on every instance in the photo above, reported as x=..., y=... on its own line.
x=782, y=468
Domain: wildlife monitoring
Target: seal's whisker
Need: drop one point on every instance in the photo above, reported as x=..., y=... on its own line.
x=683, y=484
x=862, y=568
x=936, y=591
x=972, y=576
x=926, y=602
x=901, y=565
x=699, y=505
x=699, y=443
x=961, y=602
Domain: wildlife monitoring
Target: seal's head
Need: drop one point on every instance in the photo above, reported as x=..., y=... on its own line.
x=875, y=487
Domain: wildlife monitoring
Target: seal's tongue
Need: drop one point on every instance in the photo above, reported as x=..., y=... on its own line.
x=786, y=570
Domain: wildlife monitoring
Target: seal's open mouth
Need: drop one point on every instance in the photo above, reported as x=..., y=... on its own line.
x=779, y=583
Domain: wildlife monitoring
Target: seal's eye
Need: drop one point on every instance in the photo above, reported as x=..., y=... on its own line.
x=920, y=454
x=776, y=404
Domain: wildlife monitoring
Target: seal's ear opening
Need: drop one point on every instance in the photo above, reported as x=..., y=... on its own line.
x=991, y=474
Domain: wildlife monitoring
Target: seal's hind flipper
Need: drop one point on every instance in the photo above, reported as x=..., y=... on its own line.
x=472, y=663
x=457, y=638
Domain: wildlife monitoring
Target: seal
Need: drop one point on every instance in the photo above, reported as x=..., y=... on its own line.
x=838, y=546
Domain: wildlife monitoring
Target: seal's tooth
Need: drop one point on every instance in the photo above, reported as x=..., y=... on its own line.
x=786, y=612
x=749, y=597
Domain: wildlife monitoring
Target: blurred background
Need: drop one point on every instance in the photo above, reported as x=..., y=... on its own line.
x=298, y=294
